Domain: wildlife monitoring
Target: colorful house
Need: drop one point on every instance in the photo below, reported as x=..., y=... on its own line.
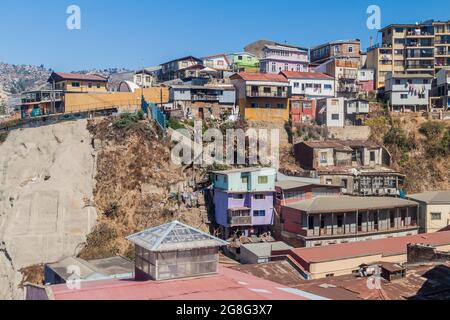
x=244, y=200
x=277, y=58
x=302, y=110
x=262, y=97
x=78, y=83
x=245, y=62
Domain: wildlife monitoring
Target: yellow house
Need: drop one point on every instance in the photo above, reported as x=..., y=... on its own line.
x=262, y=97
x=78, y=83
x=345, y=259
x=434, y=210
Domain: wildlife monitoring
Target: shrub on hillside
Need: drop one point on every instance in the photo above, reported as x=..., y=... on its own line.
x=432, y=129
x=126, y=120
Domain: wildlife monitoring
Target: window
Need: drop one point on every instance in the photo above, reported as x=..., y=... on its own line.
x=259, y=196
x=89, y=85
x=268, y=105
x=344, y=183
x=76, y=84
x=239, y=57
x=329, y=182
x=421, y=95
x=350, y=48
x=323, y=158
x=435, y=216
x=372, y=156
x=335, y=116
x=280, y=105
x=263, y=179
x=255, y=105
x=274, y=67
x=337, y=49
x=286, y=67
x=267, y=90
x=404, y=96
x=327, y=86
x=238, y=196
x=244, y=179
x=98, y=85
x=296, y=85
x=425, y=81
x=259, y=213
x=397, y=81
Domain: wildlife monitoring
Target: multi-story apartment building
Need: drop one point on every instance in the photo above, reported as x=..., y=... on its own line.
x=408, y=92
x=277, y=58
x=328, y=220
x=341, y=49
x=244, y=200
x=345, y=73
x=203, y=102
x=421, y=48
x=174, y=69
x=262, y=97
x=383, y=60
x=441, y=91
x=245, y=62
x=310, y=84
x=360, y=167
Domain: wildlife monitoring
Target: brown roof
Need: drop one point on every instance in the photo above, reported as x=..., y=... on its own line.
x=248, y=76
x=385, y=247
x=305, y=75
x=335, y=144
x=60, y=76
x=325, y=204
x=342, y=145
x=431, y=281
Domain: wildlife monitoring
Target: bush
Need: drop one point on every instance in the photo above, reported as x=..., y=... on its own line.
x=3, y=136
x=100, y=243
x=126, y=120
x=432, y=129
x=175, y=124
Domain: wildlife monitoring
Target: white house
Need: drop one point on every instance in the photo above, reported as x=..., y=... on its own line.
x=408, y=92
x=217, y=62
x=310, y=84
x=331, y=112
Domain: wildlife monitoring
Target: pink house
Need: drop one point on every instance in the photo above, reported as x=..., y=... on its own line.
x=277, y=58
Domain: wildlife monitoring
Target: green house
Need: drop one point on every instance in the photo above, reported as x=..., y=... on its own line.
x=245, y=62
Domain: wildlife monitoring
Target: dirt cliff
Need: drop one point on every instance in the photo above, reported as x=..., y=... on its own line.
x=137, y=186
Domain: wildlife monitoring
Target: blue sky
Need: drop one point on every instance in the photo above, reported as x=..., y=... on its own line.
x=118, y=33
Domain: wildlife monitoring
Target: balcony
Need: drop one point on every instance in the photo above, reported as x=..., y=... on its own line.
x=239, y=221
x=263, y=94
x=204, y=97
x=239, y=217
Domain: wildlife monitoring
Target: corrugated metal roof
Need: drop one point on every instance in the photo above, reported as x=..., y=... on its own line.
x=228, y=284
x=432, y=197
x=385, y=247
x=347, y=203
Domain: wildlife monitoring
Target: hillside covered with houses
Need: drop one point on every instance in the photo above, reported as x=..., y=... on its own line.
x=360, y=189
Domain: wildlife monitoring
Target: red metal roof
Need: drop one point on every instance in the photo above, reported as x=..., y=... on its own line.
x=248, y=76
x=386, y=247
x=305, y=75
x=228, y=284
